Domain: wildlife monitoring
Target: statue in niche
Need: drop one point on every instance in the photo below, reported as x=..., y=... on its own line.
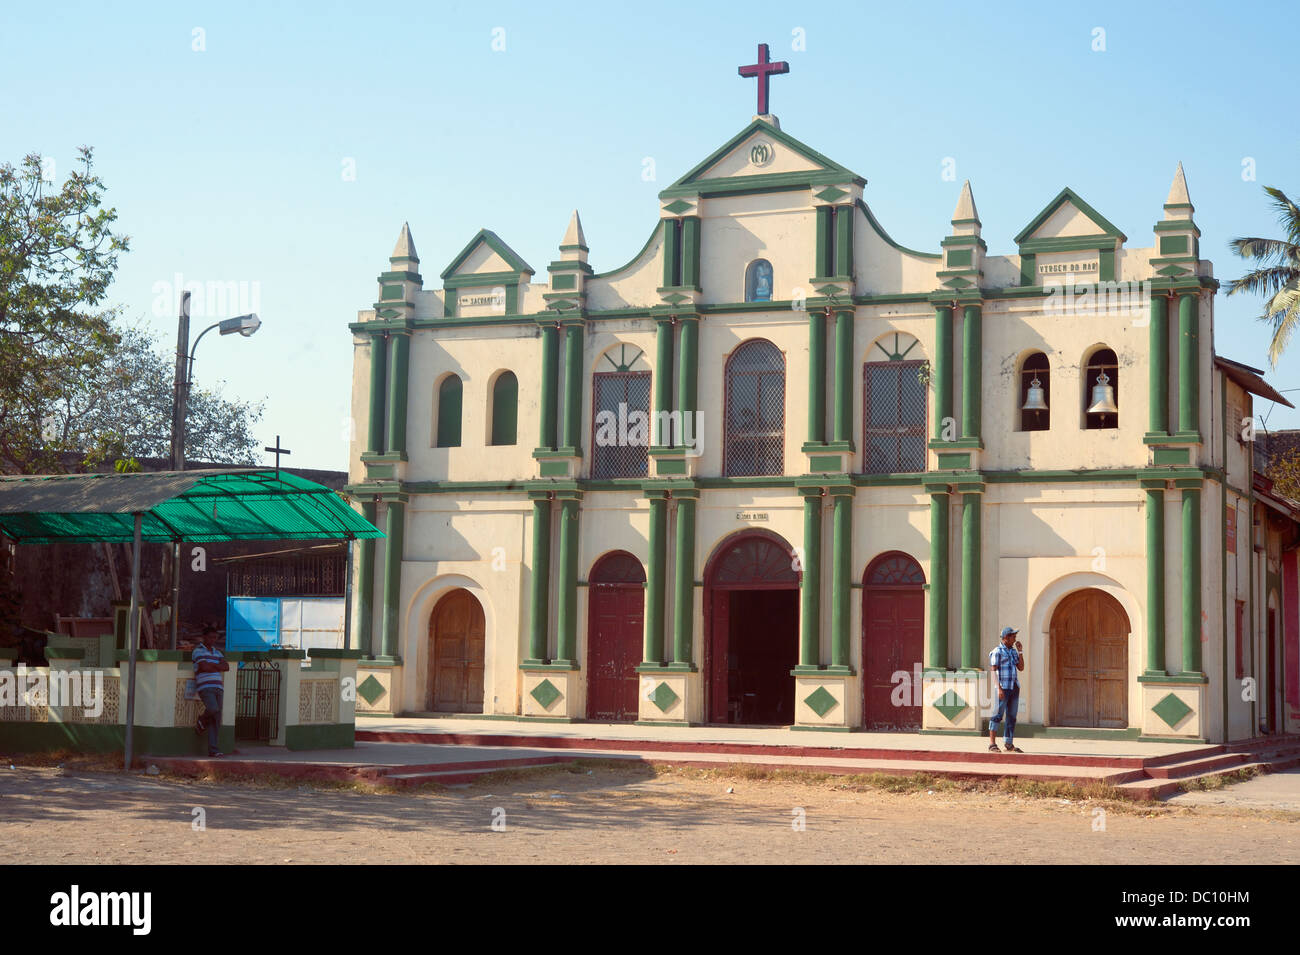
x=758, y=281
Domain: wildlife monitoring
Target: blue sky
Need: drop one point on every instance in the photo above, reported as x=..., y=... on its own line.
x=227, y=164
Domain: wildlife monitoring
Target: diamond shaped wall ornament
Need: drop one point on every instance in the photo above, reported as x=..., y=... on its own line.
x=371, y=689
x=951, y=705
x=957, y=283
x=830, y=194
x=546, y=694
x=1172, y=710
x=664, y=697
x=821, y=701
x=1172, y=271
x=675, y=298
x=677, y=207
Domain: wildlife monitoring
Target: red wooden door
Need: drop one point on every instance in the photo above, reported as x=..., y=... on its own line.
x=894, y=642
x=1090, y=661
x=456, y=639
x=615, y=631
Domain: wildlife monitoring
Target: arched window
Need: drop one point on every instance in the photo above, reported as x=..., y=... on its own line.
x=758, y=281
x=1100, y=390
x=893, y=407
x=1035, y=377
x=449, y=393
x=505, y=409
x=755, y=411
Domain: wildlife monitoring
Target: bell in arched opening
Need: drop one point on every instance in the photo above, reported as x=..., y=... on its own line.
x=1034, y=397
x=1103, y=396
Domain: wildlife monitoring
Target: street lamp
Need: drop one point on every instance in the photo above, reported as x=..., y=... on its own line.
x=244, y=325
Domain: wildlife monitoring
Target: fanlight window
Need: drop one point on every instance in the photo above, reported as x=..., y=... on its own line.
x=755, y=410
x=618, y=567
x=1101, y=391
x=754, y=560
x=758, y=281
x=1035, y=393
x=894, y=570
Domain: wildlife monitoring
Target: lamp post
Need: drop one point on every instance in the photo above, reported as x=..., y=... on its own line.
x=244, y=325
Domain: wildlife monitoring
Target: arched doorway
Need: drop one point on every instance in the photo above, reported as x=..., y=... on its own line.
x=456, y=654
x=893, y=640
x=1089, y=641
x=752, y=607
x=615, y=630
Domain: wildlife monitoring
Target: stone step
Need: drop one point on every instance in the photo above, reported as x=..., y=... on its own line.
x=1197, y=766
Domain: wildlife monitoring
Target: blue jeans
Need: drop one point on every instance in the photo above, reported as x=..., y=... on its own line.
x=1007, y=706
x=211, y=697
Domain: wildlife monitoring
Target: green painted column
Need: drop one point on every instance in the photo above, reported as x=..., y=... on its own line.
x=1158, y=344
x=1189, y=390
x=841, y=558
x=655, y=583
x=942, y=367
x=663, y=378
x=843, y=375
x=1155, y=509
x=970, y=581
x=684, y=582
x=550, y=384
x=825, y=239
x=844, y=241
x=1191, y=580
x=972, y=357
x=399, y=351
x=810, y=586
x=573, y=379
x=688, y=364
x=394, y=527
x=816, y=376
x=672, y=253
x=539, y=617
x=366, y=585
x=938, y=642
x=378, y=374
x=691, y=251
x=566, y=614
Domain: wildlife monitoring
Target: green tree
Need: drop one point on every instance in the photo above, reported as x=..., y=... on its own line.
x=58, y=255
x=1277, y=274
x=123, y=409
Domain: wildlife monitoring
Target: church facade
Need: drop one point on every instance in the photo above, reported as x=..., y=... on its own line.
x=780, y=470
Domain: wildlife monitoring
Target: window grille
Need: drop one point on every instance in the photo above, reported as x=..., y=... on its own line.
x=628, y=454
x=894, y=415
x=755, y=411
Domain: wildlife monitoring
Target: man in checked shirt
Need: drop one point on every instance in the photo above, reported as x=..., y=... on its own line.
x=1006, y=660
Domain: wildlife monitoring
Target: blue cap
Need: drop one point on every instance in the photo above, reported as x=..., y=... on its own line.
x=1008, y=632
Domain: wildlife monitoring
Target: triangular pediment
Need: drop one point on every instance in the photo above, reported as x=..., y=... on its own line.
x=1068, y=217
x=486, y=254
x=761, y=156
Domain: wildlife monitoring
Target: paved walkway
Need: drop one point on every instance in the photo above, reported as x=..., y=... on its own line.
x=1041, y=745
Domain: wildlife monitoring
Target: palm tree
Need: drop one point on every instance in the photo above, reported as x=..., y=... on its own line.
x=1278, y=274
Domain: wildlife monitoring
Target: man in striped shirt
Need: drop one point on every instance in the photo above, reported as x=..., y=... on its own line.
x=209, y=665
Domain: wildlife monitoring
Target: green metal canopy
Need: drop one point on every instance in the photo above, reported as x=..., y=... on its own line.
x=224, y=504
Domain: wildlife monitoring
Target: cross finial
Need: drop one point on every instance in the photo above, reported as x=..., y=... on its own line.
x=764, y=71
x=278, y=451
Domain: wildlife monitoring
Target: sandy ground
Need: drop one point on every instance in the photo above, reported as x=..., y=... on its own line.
x=614, y=815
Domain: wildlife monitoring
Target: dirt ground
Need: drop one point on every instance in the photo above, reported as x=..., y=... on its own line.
x=601, y=814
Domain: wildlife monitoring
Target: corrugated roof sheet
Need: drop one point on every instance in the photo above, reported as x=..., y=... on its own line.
x=200, y=506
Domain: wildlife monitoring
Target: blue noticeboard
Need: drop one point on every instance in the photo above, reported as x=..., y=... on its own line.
x=252, y=623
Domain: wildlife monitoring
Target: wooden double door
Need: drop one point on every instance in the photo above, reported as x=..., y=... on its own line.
x=456, y=631
x=1089, y=637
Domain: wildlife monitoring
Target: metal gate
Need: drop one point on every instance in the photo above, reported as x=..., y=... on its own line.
x=257, y=701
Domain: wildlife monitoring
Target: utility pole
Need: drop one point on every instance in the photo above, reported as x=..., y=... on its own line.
x=180, y=398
